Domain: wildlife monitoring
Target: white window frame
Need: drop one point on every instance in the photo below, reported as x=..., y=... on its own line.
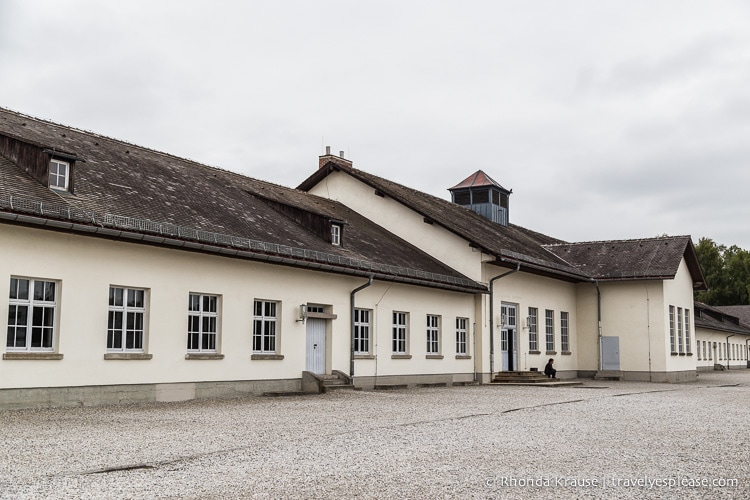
x=266, y=326
x=127, y=310
x=564, y=331
x=461, y=336
x=336, y=235
x=672, y=340
x=54, y=178
x=203, y=323
x=549, y=329
x=362, y=331
x=533, y=329
x=680, y=335
x=39, y=306
x=400, y=333
x=688, y=340
x=433, y=334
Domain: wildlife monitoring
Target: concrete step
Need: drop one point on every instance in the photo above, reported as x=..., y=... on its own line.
x=608, y=375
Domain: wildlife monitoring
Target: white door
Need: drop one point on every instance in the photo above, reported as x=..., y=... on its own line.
x=316, y=346
x=508, y=340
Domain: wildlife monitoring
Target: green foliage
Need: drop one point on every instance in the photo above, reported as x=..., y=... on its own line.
x=727, y=272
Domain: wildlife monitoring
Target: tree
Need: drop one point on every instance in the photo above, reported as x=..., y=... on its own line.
x=727, y=272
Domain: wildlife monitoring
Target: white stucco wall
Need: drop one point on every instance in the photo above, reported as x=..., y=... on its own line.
x=678, y=292
x=527, y=290
x=708, y=356
x=85, y=267
x=402, y=221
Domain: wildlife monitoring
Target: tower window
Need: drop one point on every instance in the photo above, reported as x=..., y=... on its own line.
x=59, y=173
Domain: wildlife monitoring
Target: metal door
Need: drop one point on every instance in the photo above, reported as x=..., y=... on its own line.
x=508, y=340
x=611, y=353
x=316, y=346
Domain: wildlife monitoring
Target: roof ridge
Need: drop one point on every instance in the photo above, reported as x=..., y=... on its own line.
x=624, y=240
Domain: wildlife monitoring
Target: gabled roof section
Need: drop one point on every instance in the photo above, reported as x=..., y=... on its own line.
x=507, y=244
x=651, y=258
x=127, y=191
x=477, y=179
x=716, y=318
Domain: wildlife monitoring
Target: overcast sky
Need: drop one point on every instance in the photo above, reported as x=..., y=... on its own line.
x=608, y=119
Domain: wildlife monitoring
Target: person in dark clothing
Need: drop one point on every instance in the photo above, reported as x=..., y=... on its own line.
x=548, y=370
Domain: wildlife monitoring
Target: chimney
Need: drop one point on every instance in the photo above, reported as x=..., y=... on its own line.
x=331, y=158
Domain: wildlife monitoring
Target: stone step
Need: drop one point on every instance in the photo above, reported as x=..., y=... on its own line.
x=608, y=375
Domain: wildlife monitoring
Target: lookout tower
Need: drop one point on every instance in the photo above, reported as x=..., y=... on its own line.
x=482, y=194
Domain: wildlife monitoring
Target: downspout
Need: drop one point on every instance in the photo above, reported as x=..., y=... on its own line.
x=747, y=352
x=492, y=315
x=351, y=314
x=599, y=321
x=729, y=358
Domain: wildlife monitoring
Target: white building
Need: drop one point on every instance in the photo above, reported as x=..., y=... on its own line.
x=133, y=275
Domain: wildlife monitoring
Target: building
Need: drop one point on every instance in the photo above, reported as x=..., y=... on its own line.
x=722, y=334
x=134, y=275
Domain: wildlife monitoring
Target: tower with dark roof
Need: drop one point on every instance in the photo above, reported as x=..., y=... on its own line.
x=482, y=194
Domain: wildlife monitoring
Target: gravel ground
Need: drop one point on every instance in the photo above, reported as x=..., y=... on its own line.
x=602, y=439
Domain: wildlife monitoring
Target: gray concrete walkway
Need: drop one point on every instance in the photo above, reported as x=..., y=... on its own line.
x=598, y=440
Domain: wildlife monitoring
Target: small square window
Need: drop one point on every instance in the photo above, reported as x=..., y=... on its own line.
x=58, y=175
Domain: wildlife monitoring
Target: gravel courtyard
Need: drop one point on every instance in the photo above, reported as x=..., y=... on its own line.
x=602, y=439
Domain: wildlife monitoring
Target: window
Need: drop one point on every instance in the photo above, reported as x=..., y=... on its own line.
x=361, y=331
x=433, y=334
x=564, y=337
x=680, y=338
x=688, y=340
x=461, y=330
x=549, y=325
x=58, y=175
x=710, y=352
x=533, y=329
x=335, y=234
x=399, y=332
x=127, y=310
x=264, y=326
x=202, y=322
x=31, y=315
x=672, y=344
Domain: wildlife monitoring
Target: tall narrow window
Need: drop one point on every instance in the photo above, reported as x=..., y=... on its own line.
x=264, y=326
x=672, y=343
x=127, y=310
x=361, y=331
x=680, y=337
x=202, y=322
x=549, y=325
x=461, y=333
x=533, y=329
x=688, y=340
x=58, y=175
x=564, y=336
x=399, y=332
x=335, y=234
x=31, y=315
x=433, y=334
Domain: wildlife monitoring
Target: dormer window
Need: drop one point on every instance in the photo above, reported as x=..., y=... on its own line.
x=336, y=234
x=59, y=174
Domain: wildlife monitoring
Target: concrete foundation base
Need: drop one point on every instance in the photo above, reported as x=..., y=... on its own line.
x=94, y=395
x=369, y=383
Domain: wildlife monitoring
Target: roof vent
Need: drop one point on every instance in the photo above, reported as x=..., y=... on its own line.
x=480, y=193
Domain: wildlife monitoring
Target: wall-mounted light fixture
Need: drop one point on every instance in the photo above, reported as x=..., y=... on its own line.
x=302, y=313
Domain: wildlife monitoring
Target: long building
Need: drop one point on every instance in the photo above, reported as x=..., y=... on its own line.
x=135, y=275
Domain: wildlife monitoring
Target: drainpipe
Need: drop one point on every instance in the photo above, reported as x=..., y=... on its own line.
x=747, y=352
x=351, y=314
x=728, y=351
x=492, y=315
x=599, y=320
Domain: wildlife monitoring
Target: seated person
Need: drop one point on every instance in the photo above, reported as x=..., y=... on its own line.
x=548, y=370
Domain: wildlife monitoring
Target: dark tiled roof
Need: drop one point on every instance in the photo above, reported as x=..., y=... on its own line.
x=477, y=179
x=505, y=243
x=741, y=312
x=651, y=258
x=625, y=259
x=130, y=181
x=715, y=318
